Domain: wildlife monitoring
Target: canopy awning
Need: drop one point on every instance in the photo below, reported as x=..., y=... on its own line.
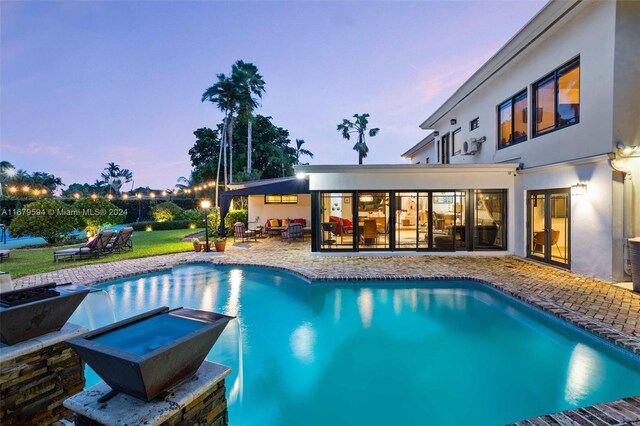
x=280, y=186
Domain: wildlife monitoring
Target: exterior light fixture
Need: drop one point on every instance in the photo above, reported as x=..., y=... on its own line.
x=125, y=196
x=206, y=205
x=164, y=193
x=436, y=133
x=110, y=196
x=76, y=195
x=152, y=195
x=579, y=189
x=301, y=175
x=44, y=191
x=139, y=195
x=25, y=188
x=12, y=189
x=626, y=150
x=94, y=196
x=453, y=121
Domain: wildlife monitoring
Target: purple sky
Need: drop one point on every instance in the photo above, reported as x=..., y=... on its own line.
x=86, y=83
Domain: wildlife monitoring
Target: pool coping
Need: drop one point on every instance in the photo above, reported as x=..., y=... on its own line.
x=583, y=322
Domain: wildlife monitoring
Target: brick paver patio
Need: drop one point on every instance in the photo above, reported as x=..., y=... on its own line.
x=605, y=310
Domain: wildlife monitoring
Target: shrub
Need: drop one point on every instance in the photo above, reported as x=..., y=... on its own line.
x=235, y=216
x=98, y=213
x=166, y=211
x=50, y=219
x=193, y=215
x=163, y=226
x=213, y=221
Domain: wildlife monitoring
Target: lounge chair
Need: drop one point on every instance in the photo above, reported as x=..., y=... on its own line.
x=240, y=231
x=3, y=254
x=369, y=234
x=293, y=231
x=95, y=247
x=122, y=242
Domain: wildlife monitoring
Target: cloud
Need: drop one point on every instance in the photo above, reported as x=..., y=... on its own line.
x=33, y=149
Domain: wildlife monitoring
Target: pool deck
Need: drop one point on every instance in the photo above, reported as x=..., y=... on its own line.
x=605, y=310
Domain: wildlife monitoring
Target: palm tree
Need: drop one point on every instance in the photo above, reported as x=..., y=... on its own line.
x=225, y=94
x=300, y=151
x=251, y=83
x=359, y=126
x=115, y=177
x=182, y=183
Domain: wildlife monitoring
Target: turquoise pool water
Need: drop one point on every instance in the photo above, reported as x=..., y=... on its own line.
x=379, y=352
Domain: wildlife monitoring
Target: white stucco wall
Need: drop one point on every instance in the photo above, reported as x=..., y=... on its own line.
x=592, y=215
x=257, y=208
x=589, y=34
x=420, y=156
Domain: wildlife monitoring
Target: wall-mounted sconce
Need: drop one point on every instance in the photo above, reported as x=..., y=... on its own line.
x=579, y=189
x=436, y=133
x=626, y=150
x=453, y=121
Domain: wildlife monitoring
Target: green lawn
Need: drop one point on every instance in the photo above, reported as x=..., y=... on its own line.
x=34, y=261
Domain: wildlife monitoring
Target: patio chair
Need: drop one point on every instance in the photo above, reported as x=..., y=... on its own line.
x=240, y=231
x=122, y=242
x=95, y=247
x=293, y=231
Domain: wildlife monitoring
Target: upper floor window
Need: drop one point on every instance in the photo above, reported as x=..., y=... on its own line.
x=455, y=149
x=557, y=99
x=512, y=118
x=474, y=124
x=280, y=199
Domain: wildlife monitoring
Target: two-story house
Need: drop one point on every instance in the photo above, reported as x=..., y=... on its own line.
x=533, y=155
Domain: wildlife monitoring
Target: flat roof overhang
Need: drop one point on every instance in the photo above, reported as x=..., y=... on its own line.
x=407, y=168
x=409, y=177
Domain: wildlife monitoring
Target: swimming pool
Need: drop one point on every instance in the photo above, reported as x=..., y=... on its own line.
x=380, y=352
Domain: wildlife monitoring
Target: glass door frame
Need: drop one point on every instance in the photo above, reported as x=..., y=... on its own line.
x=548, y=258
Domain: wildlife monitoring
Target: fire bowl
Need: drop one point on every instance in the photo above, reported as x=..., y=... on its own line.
x=34, y=311
x=149, y=353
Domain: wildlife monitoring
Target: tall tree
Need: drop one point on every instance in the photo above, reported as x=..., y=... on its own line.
x=115, y=176
x=358, y=126
x=300, y=151
x=251, y=83
x=225, y=95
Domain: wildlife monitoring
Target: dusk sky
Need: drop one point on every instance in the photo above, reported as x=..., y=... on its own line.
x=86, y=83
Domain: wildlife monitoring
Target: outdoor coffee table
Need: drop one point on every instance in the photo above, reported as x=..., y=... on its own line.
x=259, y=231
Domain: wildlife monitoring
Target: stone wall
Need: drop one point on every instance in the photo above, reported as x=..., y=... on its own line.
x=208, y=409
x=34, y=385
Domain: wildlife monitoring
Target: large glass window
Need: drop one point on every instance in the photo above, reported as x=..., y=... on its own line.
x=557, y=99
x=336, y=221
x=513, y=120
x=489, y=230
x=373, y=220
x=448, y=231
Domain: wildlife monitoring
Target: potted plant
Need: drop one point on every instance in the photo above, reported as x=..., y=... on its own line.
x=220, y=243
x=196, y=244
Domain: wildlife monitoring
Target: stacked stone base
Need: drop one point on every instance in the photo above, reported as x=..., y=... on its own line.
x=209, y=409
x=199, y=400
x=34, y=385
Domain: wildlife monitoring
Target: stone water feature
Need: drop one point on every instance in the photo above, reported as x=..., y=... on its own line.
x=38, y=370
x=153, y=370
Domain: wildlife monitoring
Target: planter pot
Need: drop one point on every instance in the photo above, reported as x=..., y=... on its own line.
x=197, y=246
x=220, y=245
x=34, y=311
x=146, y=354
x=634, y=253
